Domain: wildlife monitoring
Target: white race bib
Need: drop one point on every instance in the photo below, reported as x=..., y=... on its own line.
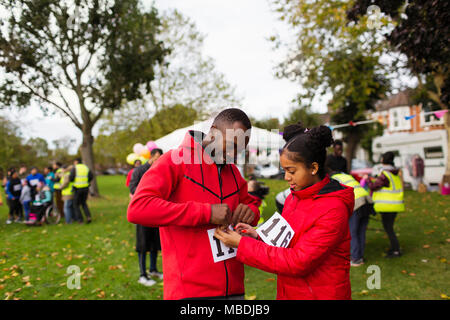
x=219, y=250
x=34, y=182
x=17, y=187
x=276, y=231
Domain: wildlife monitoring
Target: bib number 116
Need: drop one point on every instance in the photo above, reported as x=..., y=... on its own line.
x=276, y=231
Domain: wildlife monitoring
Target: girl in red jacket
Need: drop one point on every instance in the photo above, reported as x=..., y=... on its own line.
x=316, y=262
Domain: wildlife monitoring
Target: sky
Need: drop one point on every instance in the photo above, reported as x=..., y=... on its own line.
x=236, y=38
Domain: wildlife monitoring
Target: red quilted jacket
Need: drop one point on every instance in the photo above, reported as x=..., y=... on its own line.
x=316, y=264
x=177, y=197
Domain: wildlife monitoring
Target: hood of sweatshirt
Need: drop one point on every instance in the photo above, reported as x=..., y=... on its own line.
x=329, y=188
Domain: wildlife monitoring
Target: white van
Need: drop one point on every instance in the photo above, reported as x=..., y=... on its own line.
x=431, y=146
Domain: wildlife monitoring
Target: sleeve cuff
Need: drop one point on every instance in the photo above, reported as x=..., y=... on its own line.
x=244, y=247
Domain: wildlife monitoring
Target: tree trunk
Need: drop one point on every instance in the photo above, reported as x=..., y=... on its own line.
x=352, y=141
x=87, y=155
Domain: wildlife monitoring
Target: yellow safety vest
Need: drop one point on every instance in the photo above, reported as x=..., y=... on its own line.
x=349, y=181
x=57, y=185
x=261, y=209
x=81, y=176
x=390, y=199
x=67, y=191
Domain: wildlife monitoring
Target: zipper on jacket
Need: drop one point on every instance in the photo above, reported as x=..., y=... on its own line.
x=219, y=171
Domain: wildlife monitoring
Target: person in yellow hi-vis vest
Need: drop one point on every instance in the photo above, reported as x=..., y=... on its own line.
x=67, y=192
x=388, y=198
x=80, y=175
x=360, y=218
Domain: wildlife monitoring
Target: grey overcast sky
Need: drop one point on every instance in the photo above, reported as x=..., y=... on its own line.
x=236, y=37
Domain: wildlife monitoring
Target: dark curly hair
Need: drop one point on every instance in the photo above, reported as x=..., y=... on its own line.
x=232, y=115
x=307, y=145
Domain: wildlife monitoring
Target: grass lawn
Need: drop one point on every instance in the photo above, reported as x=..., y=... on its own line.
x=34, y=260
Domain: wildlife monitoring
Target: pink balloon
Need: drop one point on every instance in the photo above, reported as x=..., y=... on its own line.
x=137, y=148
x=151, y=145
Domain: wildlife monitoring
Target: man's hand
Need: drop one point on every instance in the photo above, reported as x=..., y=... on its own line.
x=220, y=214
x=242, y=213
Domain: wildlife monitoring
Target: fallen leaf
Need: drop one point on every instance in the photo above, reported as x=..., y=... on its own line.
x=426, y=246
x=8, y=295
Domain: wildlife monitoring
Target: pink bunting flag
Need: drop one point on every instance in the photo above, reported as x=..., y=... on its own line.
x=439, y=114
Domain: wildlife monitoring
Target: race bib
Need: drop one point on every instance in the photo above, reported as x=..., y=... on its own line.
x=34, y=182
x=220, y=251
x=276, y=231
x=17, y=187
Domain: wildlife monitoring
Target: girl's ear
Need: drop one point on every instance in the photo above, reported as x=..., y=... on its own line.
x=314, y=168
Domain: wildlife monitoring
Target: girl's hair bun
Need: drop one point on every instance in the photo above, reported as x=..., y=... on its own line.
x=322, y=136
x=293, y=130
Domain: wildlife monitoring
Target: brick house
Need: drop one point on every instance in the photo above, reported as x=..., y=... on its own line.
x=424, y=134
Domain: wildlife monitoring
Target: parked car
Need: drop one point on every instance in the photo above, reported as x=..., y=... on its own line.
x=122, y=171
x=360, y=168
x=267, y=171
x=110, y=171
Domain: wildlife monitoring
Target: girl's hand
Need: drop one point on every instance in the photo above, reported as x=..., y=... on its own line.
x=229, y=237
x=246, y=230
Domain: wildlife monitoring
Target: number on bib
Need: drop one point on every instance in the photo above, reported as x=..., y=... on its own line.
x=219, y=250
x=276, y=231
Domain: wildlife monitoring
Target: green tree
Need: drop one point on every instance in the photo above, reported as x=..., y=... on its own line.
x=15, y=151
x=40, y=147
x=187, y=87
x=266, y=123
x=331, y=57
x=302, y=114
x=356, y=84
x=78, y=58
x=10, y=145
x=115, y=143
x=421, y=33
x=187, y=77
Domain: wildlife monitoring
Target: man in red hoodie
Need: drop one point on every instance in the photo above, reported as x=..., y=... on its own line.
x=189, y=191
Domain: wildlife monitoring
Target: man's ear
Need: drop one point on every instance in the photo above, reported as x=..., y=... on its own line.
x=209, y=137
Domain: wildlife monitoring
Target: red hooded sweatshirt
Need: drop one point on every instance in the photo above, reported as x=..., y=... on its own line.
x=176, y=196
x=316, y=264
